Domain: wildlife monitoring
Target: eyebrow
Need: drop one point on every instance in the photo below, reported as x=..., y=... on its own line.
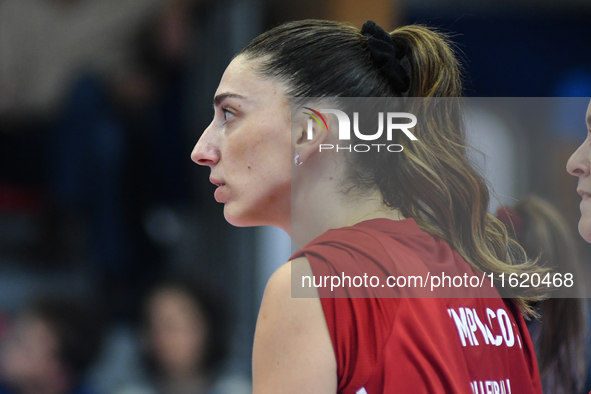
x=221, y=97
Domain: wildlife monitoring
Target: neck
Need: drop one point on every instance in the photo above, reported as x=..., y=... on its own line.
x=332, y=209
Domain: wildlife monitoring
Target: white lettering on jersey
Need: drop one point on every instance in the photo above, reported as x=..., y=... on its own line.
x=491, y=386
x=361, y=391
x=463, y=328
x=469, y=324
x=506, y=327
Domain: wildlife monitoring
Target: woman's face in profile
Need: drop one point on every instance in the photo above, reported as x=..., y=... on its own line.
x=248, y=147
x=579, y=165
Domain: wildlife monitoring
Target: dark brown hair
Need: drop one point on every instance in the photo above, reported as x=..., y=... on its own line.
x=79, y=331
x=560, y=345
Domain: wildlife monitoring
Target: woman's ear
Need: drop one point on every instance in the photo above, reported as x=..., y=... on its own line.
x=310, y=129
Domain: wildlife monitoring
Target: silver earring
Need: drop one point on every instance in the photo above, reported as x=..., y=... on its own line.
x=296, y=160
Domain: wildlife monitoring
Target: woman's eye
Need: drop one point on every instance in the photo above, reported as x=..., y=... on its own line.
x=227, y=115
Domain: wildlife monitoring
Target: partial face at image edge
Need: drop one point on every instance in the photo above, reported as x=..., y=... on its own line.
x=579, y=165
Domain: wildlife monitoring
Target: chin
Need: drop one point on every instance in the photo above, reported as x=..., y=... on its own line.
x=250, y=218
x=585, y=229
x=239, y=219
x=235, y=221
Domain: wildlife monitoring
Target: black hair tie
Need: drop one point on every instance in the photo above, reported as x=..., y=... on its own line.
x=387, y=55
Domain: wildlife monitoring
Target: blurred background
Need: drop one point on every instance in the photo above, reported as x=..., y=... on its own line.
x=101, y=102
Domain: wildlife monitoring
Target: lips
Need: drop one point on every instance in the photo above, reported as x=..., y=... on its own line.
x=585, y=195
x=218, y=195
x=216, y=182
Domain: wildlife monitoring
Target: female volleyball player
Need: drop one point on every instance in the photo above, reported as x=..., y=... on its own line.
x=423, y=207
x=579, y=165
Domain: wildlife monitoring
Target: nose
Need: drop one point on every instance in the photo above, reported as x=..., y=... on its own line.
x=206, y=151
x=578, y=164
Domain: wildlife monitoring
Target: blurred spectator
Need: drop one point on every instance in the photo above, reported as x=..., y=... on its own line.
x=49, y=349
x=150, y=176
x=45, y=44
x=561, y=336
x=185, y=344
x=91, y=104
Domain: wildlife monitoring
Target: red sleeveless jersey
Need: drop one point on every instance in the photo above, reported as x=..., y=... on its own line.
x=417, y=345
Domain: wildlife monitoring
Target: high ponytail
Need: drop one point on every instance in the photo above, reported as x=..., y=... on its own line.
x=442, y=191
x=433, y=66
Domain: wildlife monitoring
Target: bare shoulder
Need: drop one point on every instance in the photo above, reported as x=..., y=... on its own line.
x=293, y=351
